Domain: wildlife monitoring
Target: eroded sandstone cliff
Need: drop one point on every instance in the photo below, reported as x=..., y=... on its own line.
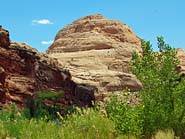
x=24, y=71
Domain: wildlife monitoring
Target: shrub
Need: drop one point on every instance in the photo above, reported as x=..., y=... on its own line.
x=127, y=118
x=37, y=107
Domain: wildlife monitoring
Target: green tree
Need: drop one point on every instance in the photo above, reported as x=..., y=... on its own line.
x=162, y=95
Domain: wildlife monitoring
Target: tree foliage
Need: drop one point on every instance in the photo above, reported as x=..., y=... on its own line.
x=162, y=95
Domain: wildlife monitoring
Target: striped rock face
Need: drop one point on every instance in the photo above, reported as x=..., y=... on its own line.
x=24, y=71
x=97, y=52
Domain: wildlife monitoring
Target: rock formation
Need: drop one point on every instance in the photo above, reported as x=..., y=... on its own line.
x=97, y=52
x=24, y=71
x=181, y=57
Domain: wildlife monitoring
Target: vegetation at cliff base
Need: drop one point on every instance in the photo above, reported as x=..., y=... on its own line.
x=84, y=123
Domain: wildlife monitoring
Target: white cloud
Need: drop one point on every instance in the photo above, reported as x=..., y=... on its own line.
x=46, y=42
x=42, y=21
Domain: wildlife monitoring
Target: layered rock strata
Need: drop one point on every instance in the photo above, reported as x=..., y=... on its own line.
x=24, y=71
x=97, y=51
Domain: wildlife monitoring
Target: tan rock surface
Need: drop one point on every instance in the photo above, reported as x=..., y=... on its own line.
x=97, y=51
x=181, y=57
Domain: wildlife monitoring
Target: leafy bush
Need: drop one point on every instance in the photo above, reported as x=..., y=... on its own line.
x=127, y=118
x=38, y=108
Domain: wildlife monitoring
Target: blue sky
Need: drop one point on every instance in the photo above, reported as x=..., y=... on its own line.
x=36, y=22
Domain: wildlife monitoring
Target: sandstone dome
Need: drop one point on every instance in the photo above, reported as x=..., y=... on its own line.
x=97, y=50
x=94, y=32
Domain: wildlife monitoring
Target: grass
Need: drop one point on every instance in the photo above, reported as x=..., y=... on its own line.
x=84, y=124
x=168, y=134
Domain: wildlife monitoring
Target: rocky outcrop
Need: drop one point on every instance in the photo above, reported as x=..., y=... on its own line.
x=24, y=71
x=181, y=57
x=4, y=37
x=97, y=51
